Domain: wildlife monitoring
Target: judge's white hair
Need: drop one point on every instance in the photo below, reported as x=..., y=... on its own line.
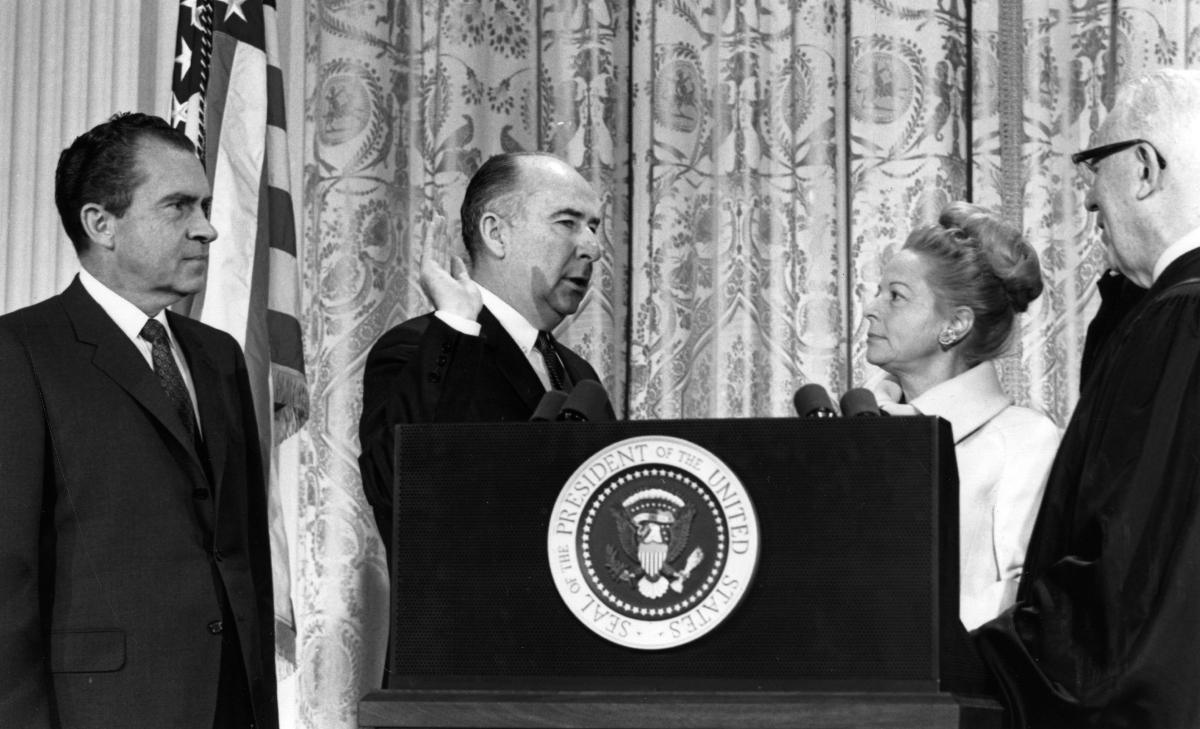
x=1163, y=107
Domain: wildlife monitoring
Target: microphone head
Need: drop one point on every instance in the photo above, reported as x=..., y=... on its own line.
x=587, y=401
x=812, y=401
x=549, y=405
x=859, y=401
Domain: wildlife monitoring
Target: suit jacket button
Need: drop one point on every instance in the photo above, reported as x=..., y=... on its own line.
x=434, y=377
x=215, y=627
x=442, y=360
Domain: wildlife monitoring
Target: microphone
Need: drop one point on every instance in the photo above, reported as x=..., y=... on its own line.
x=858, y=402
x=549, y=405
x=586, y=402
x=812, y=401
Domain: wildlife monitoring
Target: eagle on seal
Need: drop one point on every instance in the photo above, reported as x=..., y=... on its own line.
x=655, y=535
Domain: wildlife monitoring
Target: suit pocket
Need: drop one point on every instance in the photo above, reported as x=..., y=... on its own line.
x=87, y=651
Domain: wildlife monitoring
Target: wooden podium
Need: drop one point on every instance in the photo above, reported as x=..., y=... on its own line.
x=850, y=619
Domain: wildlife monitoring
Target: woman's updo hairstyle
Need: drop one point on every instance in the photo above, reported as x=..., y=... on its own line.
x=979, y=261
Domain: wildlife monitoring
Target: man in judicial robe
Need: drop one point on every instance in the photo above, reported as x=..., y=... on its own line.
x=486, y=354
x=1106, y=628
x=1118, y=296
x=135, y=577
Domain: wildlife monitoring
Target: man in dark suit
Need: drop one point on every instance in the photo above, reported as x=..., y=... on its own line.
x=135, y=582
x=529, y=223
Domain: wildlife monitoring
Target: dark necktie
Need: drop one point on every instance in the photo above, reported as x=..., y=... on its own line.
x=544, y=344
x=168, y=374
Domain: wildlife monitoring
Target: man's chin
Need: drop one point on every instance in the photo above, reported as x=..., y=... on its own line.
x=190, y=286
x=569, y=295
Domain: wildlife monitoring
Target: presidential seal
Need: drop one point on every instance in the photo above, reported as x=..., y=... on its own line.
x=653, y=542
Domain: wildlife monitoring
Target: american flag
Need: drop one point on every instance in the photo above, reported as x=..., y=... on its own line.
x=228, y=98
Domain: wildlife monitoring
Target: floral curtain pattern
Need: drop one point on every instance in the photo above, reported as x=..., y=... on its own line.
x=736, y=288
x=758, y=161
x=909, y=142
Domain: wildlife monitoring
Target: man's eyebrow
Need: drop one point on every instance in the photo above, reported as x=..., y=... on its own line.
x=177, y=197
x=577, y=214
x=574, y=213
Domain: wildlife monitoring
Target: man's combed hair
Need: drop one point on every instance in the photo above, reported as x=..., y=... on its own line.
x=980, y=261
x=489, y=189
x=100, y=167
x=1161, y=106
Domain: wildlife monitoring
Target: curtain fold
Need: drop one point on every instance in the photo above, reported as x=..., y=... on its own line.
x=736, y=293
x=908, y=113
x=69, y=65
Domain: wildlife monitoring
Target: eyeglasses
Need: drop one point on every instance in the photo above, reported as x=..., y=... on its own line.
x=1090, y=157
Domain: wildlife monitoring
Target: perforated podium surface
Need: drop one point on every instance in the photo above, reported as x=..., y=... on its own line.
x=850, y=620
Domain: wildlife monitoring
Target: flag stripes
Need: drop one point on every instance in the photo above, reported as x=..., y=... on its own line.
x=228, y=98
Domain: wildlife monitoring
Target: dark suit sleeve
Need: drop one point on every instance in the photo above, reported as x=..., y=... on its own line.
x=25, y=686
x=260, y=643
x=423, y=371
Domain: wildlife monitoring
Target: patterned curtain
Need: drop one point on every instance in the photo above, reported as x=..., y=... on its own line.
x=757, y=160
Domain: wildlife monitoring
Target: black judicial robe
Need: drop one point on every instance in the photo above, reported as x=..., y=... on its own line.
x=1118, y=296
x=1106, y=627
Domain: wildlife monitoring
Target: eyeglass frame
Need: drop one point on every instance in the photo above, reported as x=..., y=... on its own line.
x=1091, y=156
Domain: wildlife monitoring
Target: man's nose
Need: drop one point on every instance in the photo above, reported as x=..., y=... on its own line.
x=202, y=228
x=589, y=245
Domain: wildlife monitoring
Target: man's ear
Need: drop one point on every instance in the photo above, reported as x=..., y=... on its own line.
x=493, y=234
x=99, y=225
x=1149, y=172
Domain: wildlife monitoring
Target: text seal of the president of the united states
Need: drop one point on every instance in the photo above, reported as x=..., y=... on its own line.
x=653, y=542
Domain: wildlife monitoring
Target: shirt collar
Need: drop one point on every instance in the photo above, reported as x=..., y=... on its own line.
x=1188, y=242
x=126, y=316
x=967, y=401
x=517, y=326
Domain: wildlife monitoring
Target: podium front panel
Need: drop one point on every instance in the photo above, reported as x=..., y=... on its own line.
x=856, y=583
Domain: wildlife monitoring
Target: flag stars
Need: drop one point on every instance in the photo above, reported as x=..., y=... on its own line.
x=184, y=59
x=234, y=7
x=180, y=111
x=195, y=14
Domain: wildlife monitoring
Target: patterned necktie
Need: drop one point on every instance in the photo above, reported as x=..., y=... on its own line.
x=544, y=344
x=168, y=374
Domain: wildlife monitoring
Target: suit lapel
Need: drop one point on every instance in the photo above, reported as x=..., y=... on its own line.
x=579, y=370
x=510, y=360
x=206, y=379
x=119, y=359
x=577, y=367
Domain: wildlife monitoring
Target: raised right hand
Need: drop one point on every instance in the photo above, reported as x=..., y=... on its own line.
x=451, y=291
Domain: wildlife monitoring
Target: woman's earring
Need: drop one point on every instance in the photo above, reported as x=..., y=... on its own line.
x=946, y=339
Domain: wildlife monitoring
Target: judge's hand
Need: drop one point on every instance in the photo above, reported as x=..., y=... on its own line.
x=451, y=291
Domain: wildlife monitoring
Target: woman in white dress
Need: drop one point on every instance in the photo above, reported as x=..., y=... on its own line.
x=945, y=309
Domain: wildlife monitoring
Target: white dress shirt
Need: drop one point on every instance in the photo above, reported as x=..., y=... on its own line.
x=130, y=320
x=517, y=326
x=1004, y=454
